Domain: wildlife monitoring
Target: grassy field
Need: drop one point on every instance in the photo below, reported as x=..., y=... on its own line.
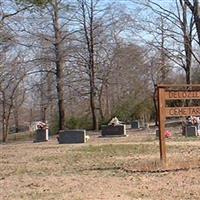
x=104, y=168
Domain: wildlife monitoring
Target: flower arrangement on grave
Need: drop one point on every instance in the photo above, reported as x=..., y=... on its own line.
x=168, y=134
x=41, y=125
x=114, y=122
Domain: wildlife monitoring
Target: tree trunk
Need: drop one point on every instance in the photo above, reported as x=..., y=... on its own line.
x=92, y=102
x=163, y=55
x=155, y=105
x=100, y=102
x=4, y=135
x=31, y=117
x=108, y=110
x=16, y=118
x=6, y=124
x=187, y=39
x=90, y=49
x=5, y=132
x=188, y=76
x=60, y=100
x=59, y=68
x=92, y=65
x=42, y=100
x=196, y=13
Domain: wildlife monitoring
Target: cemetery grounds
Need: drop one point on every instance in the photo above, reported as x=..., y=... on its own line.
x=117, y=168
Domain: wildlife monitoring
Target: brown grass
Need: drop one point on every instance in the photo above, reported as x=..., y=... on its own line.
x=104, y=168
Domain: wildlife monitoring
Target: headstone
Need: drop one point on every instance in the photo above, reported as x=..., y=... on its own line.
x=42, y=135
x=72, y=136
x=146, y=125
x=135, y=124
x=198, y=129
x=110, y=130
x=157, y=133
x=191, y=131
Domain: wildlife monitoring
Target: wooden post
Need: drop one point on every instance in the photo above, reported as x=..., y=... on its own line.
x=162, y=117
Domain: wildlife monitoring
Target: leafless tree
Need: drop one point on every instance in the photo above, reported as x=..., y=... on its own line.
x=195, y=8
x=11, y=77
x=90, y=18
x=178, y=32
x=51, y=40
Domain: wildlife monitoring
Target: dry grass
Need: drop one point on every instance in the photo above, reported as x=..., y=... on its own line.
x=104, y=168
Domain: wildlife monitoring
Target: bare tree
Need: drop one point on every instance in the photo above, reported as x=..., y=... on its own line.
x=59, y=64
x=51, y=40
x=89, y=29
x=195, y=8
x=178, y=32
x=18, y=100
x=11, y=76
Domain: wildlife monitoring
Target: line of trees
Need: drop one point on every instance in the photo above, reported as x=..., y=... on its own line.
x=78, y=63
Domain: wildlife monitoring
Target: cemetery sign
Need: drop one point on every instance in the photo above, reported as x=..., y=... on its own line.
x=174, y=92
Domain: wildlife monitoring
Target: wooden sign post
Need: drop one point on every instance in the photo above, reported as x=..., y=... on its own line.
x=174, y=92
x=162, y=118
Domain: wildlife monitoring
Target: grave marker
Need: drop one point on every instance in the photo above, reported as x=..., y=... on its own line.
x=110, y=130
x=41, y=135
x=72, y=136
x=135, y=124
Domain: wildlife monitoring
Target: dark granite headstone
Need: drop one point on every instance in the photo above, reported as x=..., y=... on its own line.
x=118, y=130
x=41, y=135
x=135, y=124
x=72, y=136
x=191, y=131
x=157, y=133
x=184, y=130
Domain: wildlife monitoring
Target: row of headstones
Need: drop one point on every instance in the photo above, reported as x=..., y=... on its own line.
x=79, y=136
x=64, y=136
x=188, y=131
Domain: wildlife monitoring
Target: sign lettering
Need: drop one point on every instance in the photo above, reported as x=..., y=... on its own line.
x=173, y=95
x=182, y=111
